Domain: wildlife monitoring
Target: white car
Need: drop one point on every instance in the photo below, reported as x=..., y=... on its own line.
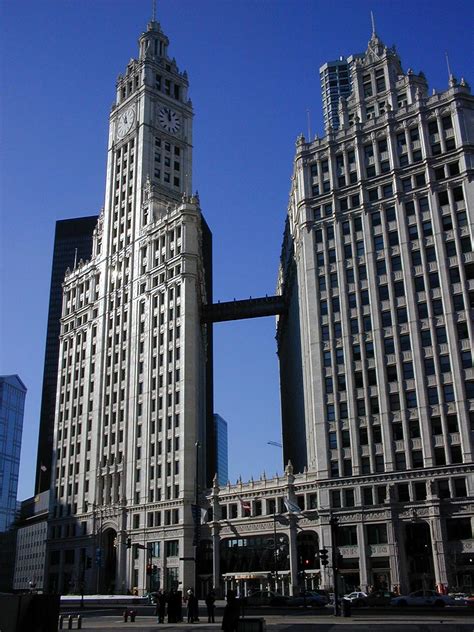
x=356, y=598
x=423, y=598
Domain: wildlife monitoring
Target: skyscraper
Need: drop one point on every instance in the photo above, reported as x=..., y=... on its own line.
x=134, y=389
x=376, y=348
x=222, y=452
x=12, y=405
x=335, y=83
x=72, y=242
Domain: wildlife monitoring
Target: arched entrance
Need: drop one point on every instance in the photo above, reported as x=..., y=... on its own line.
x=419, y=553
x=109, y=567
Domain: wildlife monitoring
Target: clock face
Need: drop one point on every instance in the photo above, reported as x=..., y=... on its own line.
x=125, y=122
x=169, y=120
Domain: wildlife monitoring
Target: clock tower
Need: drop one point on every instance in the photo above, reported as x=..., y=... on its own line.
x=134, y=439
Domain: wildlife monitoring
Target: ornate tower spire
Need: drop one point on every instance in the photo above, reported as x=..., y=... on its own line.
x=372, y=19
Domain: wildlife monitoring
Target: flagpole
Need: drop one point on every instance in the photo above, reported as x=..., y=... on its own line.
x=275, y=546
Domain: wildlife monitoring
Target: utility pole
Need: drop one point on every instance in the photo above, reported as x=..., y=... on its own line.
x=334, y=524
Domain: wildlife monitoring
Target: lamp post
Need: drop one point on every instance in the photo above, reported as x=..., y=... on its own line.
x=196, y=517
x=334, y=524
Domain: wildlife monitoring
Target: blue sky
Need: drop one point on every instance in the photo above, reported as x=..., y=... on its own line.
x=253, y=69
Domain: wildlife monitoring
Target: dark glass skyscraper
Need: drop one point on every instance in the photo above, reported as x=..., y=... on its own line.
x=72, y=241
x=222, y=453
x=12, y=404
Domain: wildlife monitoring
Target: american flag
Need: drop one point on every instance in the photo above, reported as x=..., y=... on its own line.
x=245, y=504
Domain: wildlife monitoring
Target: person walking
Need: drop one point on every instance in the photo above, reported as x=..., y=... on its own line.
x=210, y=604
x=231, y=613
x=192, y=606
x=161, y=606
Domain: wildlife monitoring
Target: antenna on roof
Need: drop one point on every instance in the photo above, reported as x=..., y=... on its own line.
x=372, y=19
x=308, y=116
x=450, y=74
x=75, y=259
x=153, y=11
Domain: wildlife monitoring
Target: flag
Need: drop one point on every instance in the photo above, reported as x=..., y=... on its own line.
x=292, y=507
x=43, y=468
x=245, y=504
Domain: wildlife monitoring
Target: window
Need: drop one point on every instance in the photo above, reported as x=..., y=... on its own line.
x=172, y=548
x=381, y=267
x=378, y=243
x=392, y=375
x=399, y=288
x=453, y=168
x=441, y=337
x=408, y=373
x=433, y=395
x=406, y=184
x=387, y=190
x=394, y=401
x=396, y=264
x=376, y=534
x=405, y=344
x=393, y=238
x=373, y=194
x=376, y=220
x=386, y=319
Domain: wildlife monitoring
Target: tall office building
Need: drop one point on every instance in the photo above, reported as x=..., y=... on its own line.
x=31, y=535
x=376, y=348
x=335, y=83
x=12, y=405
x=222, y=451
x=134, y=437
x=72, y=242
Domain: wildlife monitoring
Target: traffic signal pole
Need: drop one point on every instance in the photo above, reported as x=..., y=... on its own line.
x=334, y=523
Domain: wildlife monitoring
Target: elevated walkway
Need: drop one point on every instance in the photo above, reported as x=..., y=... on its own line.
x=247, y=308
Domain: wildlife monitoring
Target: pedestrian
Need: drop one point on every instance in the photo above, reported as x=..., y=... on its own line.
x=161, y=606
x=172, y=607
x=210, y=604
x=231, y=613
x=192, y=606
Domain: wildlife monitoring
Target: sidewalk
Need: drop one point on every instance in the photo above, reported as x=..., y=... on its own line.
x=289, y=623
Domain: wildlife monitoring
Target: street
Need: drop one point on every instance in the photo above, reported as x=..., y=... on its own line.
x=285, y=620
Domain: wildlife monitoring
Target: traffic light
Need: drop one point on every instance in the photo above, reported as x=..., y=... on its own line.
x=306, y=563
x=154, y=570
x=129, y=543
x=323, y=557
x=148, y=569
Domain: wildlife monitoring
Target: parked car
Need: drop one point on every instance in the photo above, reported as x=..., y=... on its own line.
x=460, y=598
x=470, y=601
x=356, y=598
x=265, y=598
x=423, y=598
x=310, y=599
x=322, y=593
x=379, y=598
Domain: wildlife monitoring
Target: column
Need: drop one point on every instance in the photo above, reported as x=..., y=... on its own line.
x=437, y=544
x=362, y=556
x=393, y=556
x=216, y=558
x=293, y=556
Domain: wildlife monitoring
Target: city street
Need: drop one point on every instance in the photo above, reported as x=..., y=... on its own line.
x=456, y=620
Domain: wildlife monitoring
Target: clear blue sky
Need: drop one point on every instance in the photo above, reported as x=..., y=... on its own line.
x=253, y=69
